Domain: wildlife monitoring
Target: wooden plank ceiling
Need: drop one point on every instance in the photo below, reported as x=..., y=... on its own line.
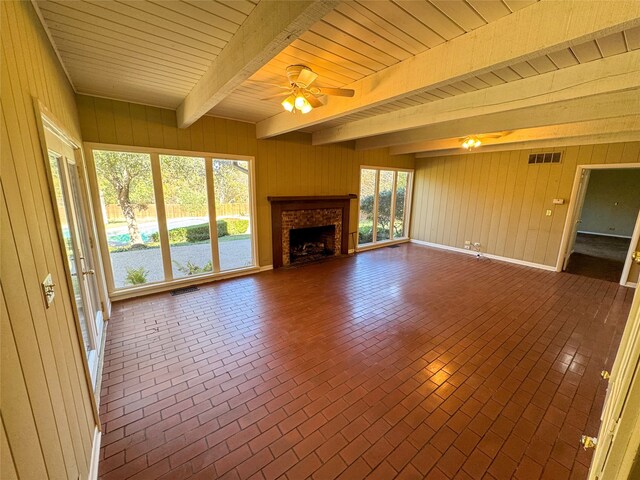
x=150, y=52
x=613, y=44
x=154, y=51
x=360, y=38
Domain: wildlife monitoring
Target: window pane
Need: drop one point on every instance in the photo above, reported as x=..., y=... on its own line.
x=231, y=183
x=385, y=191
x=184, y=186
x=129, y=212
x=56, y=175
x=367, y=205
x=399, y=229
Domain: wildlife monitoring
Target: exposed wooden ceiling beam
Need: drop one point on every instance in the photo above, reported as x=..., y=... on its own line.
x=610, y=74
x=547, y=143
x=595, y=107
x=623, y=126
x=533, y=31
x=269, y=28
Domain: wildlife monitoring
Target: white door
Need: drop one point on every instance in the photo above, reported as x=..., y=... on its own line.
x=614, y=451
x=77, y=244
x=631, y=271
x=577, y=215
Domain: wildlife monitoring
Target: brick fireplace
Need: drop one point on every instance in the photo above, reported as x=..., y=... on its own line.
x=307, y=228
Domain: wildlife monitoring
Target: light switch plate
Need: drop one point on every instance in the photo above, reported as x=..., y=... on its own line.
x=48, y=290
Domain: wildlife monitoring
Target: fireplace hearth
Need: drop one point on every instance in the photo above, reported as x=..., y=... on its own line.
x=311, y=243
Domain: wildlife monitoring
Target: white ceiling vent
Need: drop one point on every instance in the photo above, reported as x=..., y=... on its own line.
x=552, y=157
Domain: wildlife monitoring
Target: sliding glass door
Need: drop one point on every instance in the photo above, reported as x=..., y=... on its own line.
x=232, y=188
x=385, y=199
x=184, y=185
x=158, y=211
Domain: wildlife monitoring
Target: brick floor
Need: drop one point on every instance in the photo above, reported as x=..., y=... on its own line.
x=396, y=363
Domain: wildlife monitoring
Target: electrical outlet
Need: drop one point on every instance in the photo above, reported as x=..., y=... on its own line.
x=548, y=213
x=467, y=244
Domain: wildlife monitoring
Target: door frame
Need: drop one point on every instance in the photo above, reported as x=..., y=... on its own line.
x=573, y=213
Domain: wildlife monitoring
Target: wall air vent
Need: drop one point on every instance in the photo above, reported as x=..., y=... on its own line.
x=552, y=157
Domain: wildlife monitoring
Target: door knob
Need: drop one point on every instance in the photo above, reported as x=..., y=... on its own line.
x=635, y=256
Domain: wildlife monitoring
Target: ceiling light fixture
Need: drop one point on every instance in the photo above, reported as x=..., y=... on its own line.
x=289, y=103
x=297, y=101
x=471, y=142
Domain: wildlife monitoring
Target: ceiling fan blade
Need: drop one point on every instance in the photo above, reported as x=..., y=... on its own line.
x=277, y=95
x=306, y=78
x=340, y=92
x=277, y=85
x=314, y=101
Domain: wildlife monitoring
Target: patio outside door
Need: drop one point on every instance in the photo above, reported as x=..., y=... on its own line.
x=77, y=245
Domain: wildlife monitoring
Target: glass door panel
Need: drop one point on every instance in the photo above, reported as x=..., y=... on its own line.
x=385, y=193
x=86, y=260
x=399, y=226
x=125, y=184
x=368, y=179
x=65, y=226
x=76, y=251
x=232, y=188
x=185, y=201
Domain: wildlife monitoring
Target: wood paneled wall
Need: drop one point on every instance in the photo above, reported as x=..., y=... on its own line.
x=286, y=165
x=47, y=416
x=499, y=200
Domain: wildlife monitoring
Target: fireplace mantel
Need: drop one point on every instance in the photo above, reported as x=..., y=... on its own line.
x=317, y=198
x=321, y=202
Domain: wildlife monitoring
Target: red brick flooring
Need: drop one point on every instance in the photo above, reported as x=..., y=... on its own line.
x=397, y=363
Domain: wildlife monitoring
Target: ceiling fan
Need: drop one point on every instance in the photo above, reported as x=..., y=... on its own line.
x=301, y=94
x=474, y=141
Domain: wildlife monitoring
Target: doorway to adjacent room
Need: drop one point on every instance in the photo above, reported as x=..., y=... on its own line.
x=605, y=224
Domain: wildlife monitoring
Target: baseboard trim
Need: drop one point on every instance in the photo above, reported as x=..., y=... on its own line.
x=266, y=267
x=604, y=234
x=351, y=250
x=387, y=243
x=95, y=454
x=487, y=255
x=631, y=285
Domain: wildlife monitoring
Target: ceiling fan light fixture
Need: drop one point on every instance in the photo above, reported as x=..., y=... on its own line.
x=471, y=142
x=289, y=103
x=298, y=101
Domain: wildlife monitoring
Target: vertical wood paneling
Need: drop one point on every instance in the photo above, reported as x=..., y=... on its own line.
x=286, y=165
x=7, y=463
x=499, y=200
x=46, y=406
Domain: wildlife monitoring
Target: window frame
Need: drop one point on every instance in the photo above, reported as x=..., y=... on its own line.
x=408, y=204
x=169, y=282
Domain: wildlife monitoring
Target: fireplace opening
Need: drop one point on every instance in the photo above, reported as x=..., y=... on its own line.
x=312, y=243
